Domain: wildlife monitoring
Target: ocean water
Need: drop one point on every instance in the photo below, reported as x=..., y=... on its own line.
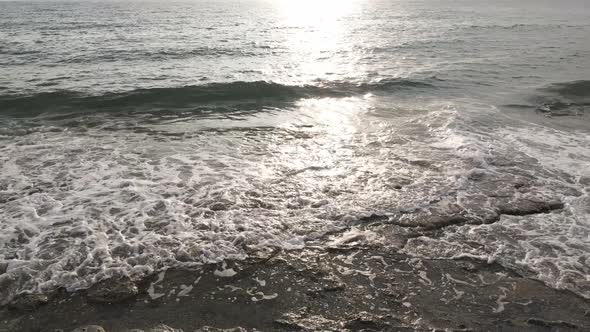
x=137, y=135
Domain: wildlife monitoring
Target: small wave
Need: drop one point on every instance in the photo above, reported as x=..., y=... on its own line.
x=190, y=97
x=559, y=99
x=159, y=55
x=518, y=26
x=575, y=89
x=388, y=84
x=564, y=99
x=152, y=99
x=6, y=51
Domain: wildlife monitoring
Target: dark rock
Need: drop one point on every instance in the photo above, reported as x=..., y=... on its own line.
x=258, y=203
x=163, y=328
x=112, y=291
x=122, y=250
x=467, y=266
x=214, y=329
x=286, y=324
x=3, y=267
x=462, y=328
x=374, y=218
x=439, y=221
x=28, y=301
x=299, y=321
x=477, y=175
x=334, y=287
x=319, y=203
x=549, y=323
x=89, y=328
x=366, y=321
x=519, y=185
x=219, y=206
x=419, y=162
x=439, y=215
x=329, y=281
x=525, y=207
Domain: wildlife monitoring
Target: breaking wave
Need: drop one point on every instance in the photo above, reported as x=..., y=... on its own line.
x=189, y=97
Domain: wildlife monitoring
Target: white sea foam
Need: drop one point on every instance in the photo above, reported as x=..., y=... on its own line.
x=552, y=247
x=83, y=206
x=555, y=149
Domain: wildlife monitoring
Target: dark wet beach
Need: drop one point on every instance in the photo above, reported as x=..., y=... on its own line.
x=351, y=287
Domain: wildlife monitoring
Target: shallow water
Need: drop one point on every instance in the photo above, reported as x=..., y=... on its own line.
x=140, y=135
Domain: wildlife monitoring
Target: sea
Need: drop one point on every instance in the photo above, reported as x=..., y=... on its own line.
x=137, y=136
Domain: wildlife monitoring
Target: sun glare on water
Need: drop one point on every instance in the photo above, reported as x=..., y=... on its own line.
x=315, y=33
x=312, y=11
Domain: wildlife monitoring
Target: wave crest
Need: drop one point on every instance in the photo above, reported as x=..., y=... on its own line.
x=563, y=99
x=189, y=97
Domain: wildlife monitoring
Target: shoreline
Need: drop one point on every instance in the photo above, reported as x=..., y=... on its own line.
x=350, y=287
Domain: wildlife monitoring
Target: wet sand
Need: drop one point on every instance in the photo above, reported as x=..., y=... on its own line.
x=348, y=287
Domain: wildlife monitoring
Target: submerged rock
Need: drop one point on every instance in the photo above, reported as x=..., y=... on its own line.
x=381, y=291
x=365, y=321
x=28, y=301
x=214, y=329
x=524, y=207
x=220, y=206
x=551, y=324
x=112, y=291
x=302, y=321
x=89, y=328
x=163, y=328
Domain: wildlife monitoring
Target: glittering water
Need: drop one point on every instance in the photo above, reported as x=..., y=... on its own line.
x=139, y=135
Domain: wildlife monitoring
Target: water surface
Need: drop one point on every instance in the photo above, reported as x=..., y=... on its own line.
x=140, y=135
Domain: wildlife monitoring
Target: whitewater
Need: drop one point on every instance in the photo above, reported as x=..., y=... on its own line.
x=139, y=136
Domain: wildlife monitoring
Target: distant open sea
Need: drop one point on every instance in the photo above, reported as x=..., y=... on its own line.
x=136, y=136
